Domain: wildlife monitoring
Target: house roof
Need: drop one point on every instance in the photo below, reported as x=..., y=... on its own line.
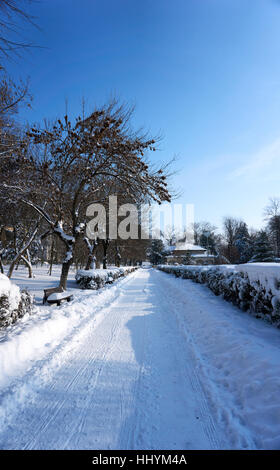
x=184, y=247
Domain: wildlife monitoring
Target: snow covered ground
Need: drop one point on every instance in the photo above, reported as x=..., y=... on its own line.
x=268, y=274
x=152, y=362
x=34, y=336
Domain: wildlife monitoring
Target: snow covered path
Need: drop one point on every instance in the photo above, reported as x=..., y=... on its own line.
x=137, y=380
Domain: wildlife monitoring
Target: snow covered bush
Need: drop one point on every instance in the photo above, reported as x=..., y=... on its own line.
x=14, y=303
x=259, y=295
x=97, y=278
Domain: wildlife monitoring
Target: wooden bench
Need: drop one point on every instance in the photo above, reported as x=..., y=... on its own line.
x=58, y=295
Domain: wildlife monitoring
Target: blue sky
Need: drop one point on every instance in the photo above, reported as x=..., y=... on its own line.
x=203, y=73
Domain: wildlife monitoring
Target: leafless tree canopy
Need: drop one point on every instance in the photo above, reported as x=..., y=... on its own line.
x=59, y=170
x=12, y=14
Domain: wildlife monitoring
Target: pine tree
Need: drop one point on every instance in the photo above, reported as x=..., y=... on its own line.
x=262, y=250
x=274, y=229
x=207, y=240
x=157, y=254
x=243, y=243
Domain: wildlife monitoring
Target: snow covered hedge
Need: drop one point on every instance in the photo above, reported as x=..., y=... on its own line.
x=251, y=290
x=97, y=278
x=14, y=303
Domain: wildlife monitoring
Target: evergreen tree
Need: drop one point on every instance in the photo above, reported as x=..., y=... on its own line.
x=207, y=240
x=243, y=243
x=262, y=250
x=157, y=253
x=187, y=259
x=274, y=229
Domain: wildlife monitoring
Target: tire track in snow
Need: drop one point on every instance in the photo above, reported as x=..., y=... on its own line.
x=127, y=381
x=204, y=409
x=185, y=295
x=95, y=362
x=25, y=389
x=163, y=321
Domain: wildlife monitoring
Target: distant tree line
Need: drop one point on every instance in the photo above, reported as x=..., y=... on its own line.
x=236, y=244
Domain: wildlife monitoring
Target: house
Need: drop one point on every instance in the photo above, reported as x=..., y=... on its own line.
x=178, y=252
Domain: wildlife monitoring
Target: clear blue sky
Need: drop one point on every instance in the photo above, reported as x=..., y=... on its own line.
x=204, y=73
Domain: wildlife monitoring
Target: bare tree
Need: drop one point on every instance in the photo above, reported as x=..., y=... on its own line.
x=12, y=94
x=20, y=254
x=272, y=216
x=231, y=226
x=273, y=208
x=67, y=172
x=12, y=15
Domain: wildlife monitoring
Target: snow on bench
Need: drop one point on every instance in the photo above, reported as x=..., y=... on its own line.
x=56, y=295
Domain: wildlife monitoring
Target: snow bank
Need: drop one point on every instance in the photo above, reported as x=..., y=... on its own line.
x=97, y=278
x=267, y=274
x=9, y=290
x=34, y=337
x=251, y=287
x=13, y=303
x=238, y=361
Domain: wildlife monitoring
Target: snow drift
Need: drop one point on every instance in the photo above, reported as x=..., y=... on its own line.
x=13, y=302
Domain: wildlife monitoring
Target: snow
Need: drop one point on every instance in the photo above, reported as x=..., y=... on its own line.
x=80, y=227
x=59, y=229
x=266, y=273
x=255, y=289
x=68, y=256
x=241, y=357
x=59, y=295
x=204, y=255
x=152, y=362
x=102, y=274
x=185, y=246
x=10, y=290
x=34, y=336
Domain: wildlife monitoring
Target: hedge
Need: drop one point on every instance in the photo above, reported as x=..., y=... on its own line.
x=14, y=303
x=235, y=287
x=97, y=278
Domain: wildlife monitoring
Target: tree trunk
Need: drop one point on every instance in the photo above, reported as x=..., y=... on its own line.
x=91, y=261
x=28, y=265
x=118, y=257
x=64, y=273
x=1, y=264
x=52, y=256
x=105, y=244
x=21, y=252
x=69, y=243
